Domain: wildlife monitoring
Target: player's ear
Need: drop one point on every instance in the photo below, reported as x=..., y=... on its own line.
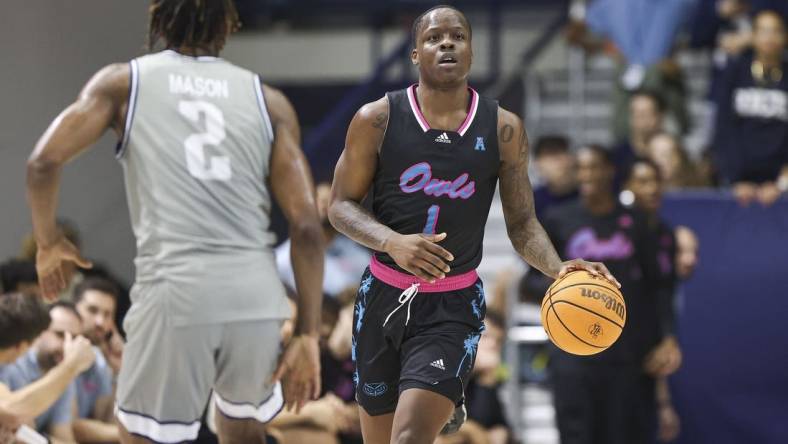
x=414, y=56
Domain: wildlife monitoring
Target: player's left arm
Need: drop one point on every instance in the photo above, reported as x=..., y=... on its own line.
x=526, y=233
x=294, y=191
x=99, y=106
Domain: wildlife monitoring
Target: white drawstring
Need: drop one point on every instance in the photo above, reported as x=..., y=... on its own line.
x=406, y=297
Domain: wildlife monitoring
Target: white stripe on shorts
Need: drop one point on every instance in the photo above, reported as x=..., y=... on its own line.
x=168, y=432
x=264, y=413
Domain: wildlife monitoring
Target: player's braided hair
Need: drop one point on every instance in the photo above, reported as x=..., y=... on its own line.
x=192, y=23
x=419, y=22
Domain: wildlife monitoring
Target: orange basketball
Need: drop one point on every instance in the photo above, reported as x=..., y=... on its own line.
x=583, y=314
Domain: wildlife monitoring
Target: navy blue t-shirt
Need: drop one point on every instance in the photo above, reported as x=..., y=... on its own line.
x=751, y=140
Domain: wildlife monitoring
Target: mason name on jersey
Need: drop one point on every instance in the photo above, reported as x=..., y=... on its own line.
x=199, y=86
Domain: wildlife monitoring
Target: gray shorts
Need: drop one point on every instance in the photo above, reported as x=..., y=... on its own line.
x=169, y=370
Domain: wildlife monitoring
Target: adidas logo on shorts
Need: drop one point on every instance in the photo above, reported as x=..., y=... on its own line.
x=438, y=364
x=443, y=138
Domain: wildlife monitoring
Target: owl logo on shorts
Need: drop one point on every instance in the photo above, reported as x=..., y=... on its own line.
x=375, y=388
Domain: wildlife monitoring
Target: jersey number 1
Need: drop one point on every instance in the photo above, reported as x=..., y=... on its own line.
x=432, y=219
x=199, y=165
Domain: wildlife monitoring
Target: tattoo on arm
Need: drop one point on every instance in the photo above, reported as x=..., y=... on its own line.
x=381, y=121
x=526, y=233
x=355, y=222
x=506, y=133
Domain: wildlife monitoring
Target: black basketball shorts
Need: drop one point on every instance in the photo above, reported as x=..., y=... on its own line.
x=408, y=333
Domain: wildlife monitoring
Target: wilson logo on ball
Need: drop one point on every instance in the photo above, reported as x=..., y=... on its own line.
x=611, y=303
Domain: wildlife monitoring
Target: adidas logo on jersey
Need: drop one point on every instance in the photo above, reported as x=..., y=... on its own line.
x=443, y=138
x=438, y=364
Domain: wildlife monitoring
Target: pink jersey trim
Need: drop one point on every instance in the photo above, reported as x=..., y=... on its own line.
x=403, y=280
x=471, y=113
x=414, y=106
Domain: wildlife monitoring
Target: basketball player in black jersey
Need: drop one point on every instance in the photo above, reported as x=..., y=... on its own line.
x=432, y=154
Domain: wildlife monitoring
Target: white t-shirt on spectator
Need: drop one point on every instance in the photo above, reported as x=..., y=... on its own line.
x=345, y=262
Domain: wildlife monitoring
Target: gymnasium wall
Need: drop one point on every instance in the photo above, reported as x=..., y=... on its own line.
x=732, y=388
x=50, y=48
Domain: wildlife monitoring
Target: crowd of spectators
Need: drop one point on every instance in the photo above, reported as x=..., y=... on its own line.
x=603, y=202
x=747, y=149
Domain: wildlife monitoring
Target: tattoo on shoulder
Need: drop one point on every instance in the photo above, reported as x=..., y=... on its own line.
x=506, y=133
x=381, y=121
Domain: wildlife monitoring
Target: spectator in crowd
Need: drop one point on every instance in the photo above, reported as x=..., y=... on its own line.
x=687, y=246
x=726, y=25
x=645, y=183
x=486, y=423
x=556, y=167
x=610, y=397
x=646, y=112
x=95, y=300
x=22, y=318
x=675, y=167
x=41, y=379
x=643, y=32
x=19, y=276
x=345, y=260
x=751, y=141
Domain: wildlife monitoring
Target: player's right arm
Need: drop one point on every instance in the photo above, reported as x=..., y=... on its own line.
x=294, y=191
x=417, y=253
x=100, y=105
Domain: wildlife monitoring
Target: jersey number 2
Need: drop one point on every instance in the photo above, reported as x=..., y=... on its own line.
x=201, y=166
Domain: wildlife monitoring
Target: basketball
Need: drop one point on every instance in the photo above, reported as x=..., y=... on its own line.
x=583, y=314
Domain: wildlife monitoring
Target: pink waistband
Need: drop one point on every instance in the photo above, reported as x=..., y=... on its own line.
x=403, y=280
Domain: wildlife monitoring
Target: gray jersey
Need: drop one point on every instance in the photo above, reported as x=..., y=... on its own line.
x=196, y=153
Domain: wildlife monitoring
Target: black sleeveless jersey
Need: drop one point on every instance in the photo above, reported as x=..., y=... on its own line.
x=435, y=181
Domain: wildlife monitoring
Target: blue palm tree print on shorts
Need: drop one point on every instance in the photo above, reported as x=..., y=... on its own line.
x=470, y=344
x=361, y=305
x=478, y=303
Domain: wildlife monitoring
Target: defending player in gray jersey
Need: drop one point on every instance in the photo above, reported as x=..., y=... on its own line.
x=204, y=146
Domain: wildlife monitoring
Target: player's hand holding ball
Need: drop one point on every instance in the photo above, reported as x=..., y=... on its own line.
x=583, y=311
x=299, y=370
x=593, y=268
x=420, y=255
